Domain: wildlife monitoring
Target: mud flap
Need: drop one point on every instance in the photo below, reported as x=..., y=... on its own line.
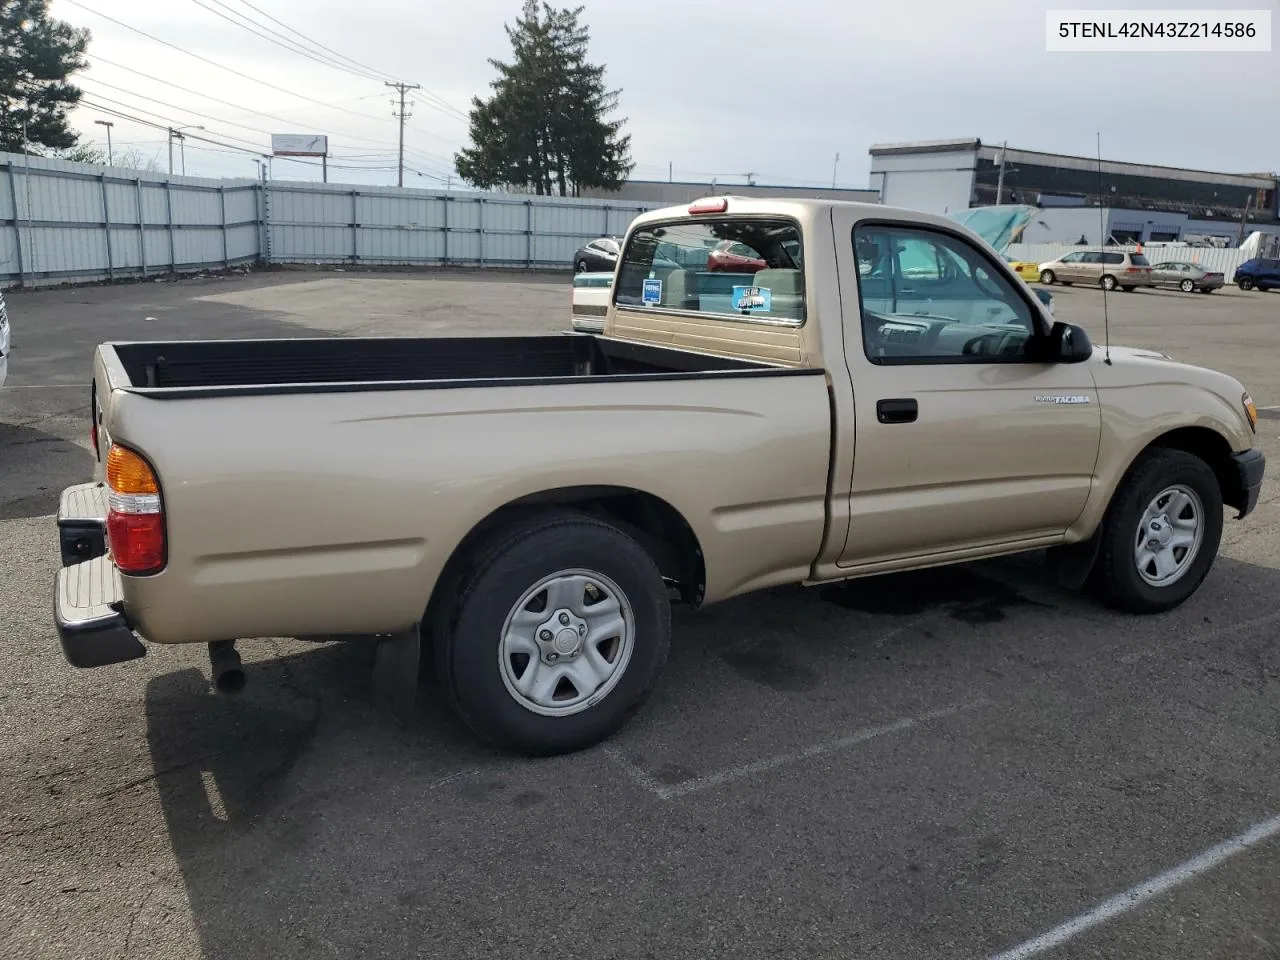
x=1072, y=564
x=397, y=659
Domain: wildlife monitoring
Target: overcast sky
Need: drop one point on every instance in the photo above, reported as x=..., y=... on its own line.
x=716, y=88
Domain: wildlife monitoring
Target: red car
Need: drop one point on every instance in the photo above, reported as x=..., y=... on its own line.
x=730, y=256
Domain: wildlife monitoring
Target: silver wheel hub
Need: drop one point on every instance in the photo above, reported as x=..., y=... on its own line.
x=1169, y=536
x=566, y=643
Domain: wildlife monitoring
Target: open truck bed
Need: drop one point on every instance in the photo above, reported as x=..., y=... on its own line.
x=241, y=367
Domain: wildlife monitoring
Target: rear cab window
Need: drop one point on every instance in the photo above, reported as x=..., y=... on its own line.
x=743, y=268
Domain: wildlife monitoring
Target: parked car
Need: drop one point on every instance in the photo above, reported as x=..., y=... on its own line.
x=4, y=341
x=599, y=256
x=1104, y=268
x=532, y=504
x=730, y=256
x=1024, y=268
x=590, y=303
x=1187, y=277
x=1262, y=273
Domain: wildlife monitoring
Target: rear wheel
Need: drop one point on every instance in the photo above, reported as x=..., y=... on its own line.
x=1161, y=533
x=557, y=637
x=1187, y=286
x=1046, y=277
x=1108, y=282
x=1245, y=283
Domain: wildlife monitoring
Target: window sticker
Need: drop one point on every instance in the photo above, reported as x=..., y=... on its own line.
x=652, y=292
x=753, y=299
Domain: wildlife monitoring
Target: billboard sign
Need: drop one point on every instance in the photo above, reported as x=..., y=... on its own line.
x=299, y=145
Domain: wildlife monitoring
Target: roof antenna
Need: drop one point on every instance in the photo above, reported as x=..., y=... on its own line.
x=1102, y=230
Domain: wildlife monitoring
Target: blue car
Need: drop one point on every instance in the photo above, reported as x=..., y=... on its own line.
x=1260, y=272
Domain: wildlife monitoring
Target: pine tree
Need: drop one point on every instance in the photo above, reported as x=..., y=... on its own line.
x=37, y=55
x=545, y=126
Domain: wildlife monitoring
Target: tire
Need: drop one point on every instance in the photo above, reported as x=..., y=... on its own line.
x=1188, y=286
x=581, y=267
x=1117, y=578
x=1046, y=277
x=1108, y=282
x=1245, y=284
x=479, y=673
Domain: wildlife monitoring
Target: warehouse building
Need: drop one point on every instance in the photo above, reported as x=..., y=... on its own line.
x=1124, y=201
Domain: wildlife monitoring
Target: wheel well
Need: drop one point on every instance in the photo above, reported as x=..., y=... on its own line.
x=1213, y=448
x=656, y=525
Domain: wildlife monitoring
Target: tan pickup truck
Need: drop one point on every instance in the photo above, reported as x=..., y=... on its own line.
x=883, y=394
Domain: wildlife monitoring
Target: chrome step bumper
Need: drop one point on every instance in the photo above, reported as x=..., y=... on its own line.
x=88, y=611
x=82, y=521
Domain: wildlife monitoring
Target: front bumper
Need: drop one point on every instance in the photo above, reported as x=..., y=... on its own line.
x=88, y=602
x=1250, y=467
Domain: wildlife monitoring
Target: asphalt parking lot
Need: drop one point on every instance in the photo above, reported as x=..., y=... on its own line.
x=962, y=763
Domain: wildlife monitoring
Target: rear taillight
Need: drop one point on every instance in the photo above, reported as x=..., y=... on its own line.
x=135, y=515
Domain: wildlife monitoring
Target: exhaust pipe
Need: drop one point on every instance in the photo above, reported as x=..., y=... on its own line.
x=228, y=674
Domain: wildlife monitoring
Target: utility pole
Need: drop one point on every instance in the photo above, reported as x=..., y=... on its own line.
x=402, y=115
x=108, y=124
x=834, y=167
x=1244, y=220
x=668, y=171
x=1000, y=180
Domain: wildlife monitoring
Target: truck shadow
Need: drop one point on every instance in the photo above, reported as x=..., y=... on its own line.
x=306, y=823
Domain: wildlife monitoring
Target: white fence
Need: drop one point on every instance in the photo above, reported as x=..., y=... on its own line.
x=1221, y=259
x=73, y=222
x=63, y=221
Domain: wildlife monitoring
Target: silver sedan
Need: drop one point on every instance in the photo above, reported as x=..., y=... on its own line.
x=1188, y=277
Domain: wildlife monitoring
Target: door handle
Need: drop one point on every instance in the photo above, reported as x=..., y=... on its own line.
x=897, y=411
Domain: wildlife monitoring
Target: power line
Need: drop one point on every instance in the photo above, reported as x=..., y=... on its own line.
x=284, y=42
x=314, y=43
x=173, y=106
x=197, y=113
x=433, y=99
x=220, y=66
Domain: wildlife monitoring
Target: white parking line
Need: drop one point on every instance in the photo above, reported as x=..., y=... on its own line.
x=685, y=787
x=69, y=386
x=1136, y=896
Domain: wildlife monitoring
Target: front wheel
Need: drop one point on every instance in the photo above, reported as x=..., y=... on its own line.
x=557, y=637
x=1245, y=283
x=1108, y=282
x=580, y=267
x=1046, y=277
x=1161, y=533
x=1188, y=286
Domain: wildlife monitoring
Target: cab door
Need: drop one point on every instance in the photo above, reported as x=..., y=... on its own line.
x=965, y=442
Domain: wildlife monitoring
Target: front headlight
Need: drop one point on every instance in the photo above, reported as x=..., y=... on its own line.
x=1251, y=411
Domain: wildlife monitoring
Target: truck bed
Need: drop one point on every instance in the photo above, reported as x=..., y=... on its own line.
x=241, y=367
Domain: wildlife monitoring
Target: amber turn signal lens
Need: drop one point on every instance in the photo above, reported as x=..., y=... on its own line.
x=1251, y=409
x=127, y=472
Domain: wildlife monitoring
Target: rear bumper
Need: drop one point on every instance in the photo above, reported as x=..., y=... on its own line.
x=88, y=609
x=88, y=604
x=82, y=520
x=1250, y=466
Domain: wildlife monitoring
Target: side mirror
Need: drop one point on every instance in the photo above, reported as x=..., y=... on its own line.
x=1068, y=344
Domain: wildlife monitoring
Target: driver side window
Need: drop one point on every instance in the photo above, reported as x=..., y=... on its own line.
x=930, y=297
